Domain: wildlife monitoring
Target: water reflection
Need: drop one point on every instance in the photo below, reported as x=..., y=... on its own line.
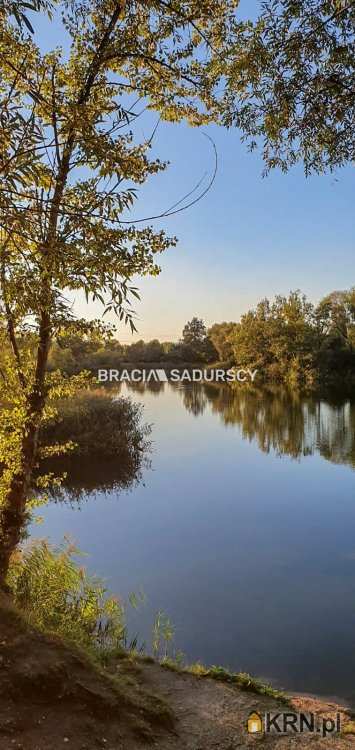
x=153, y=386
x=252, y=557
x=282, y=421
x=84, y=476
x=286, y=422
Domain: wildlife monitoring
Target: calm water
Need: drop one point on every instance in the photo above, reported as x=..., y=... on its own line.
x=242, y=531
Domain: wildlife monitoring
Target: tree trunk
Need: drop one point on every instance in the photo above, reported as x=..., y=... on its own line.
x=13, y=514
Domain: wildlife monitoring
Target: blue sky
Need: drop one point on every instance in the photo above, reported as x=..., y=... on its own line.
x=248, y=238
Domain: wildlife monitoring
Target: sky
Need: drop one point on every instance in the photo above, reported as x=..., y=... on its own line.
x=250, y=237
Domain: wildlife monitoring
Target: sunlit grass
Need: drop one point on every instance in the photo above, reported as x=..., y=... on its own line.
x=57, y=596
x=242, y=680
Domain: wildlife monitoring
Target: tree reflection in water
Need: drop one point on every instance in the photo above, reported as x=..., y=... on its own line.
x=285, y=421
x=85, y=475
x=279, y=420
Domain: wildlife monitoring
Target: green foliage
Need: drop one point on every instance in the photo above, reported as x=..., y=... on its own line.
x=221, y=336
x=194, y=332
x=152, y=351
x=13, y=411
x=19, y=8
x=98, y=424
x=195, y=344
x=71, y=161
x=94, y=441
x=163, y=635
x=290, y=83
x=76, y=125
x=241, y=679
x=288, y=340
x=57, y=596
x=77, y=352
x=292, y=341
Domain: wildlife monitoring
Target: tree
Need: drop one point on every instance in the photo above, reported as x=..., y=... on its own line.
x=11, y=118
x=291, y=83
x=290, y=340
x=19, y=8
x=194, y=333
x=196, y=345
x=279, y=338
x=135, y=352
x=336, y=315
x=221, y=336
x=154, y=351
x=69, y=163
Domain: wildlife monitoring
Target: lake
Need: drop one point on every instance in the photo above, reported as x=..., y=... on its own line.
x=242, y=531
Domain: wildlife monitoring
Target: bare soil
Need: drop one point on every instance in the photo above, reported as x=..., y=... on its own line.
x=51, y=698
x=212, y=715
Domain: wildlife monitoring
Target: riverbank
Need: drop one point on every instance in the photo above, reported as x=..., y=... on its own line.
x=211, y=715
x=53, y=695
x=65, y=699
x=277, y=452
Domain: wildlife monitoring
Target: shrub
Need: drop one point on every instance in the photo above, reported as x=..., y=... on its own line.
x=57, y=596
x=99, y=424
x=110, y=445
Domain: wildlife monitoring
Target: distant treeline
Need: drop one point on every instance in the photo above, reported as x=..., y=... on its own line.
x=93, y=351
x=289, y=340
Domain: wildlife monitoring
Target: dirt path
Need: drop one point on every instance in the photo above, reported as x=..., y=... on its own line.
x=212, y=715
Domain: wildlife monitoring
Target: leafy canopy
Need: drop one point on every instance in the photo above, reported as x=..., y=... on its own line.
x=291, y=83
x=19, y=10
x=71, y=159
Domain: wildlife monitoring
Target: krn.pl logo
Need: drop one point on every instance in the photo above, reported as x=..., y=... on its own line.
x=254, y=723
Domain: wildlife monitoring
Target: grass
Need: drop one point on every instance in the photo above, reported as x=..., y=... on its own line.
x=242, y=680
x=58, y=597
x=42, y=664
x=81, y=632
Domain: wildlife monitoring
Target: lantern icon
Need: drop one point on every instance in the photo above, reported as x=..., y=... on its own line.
x=254, y=723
